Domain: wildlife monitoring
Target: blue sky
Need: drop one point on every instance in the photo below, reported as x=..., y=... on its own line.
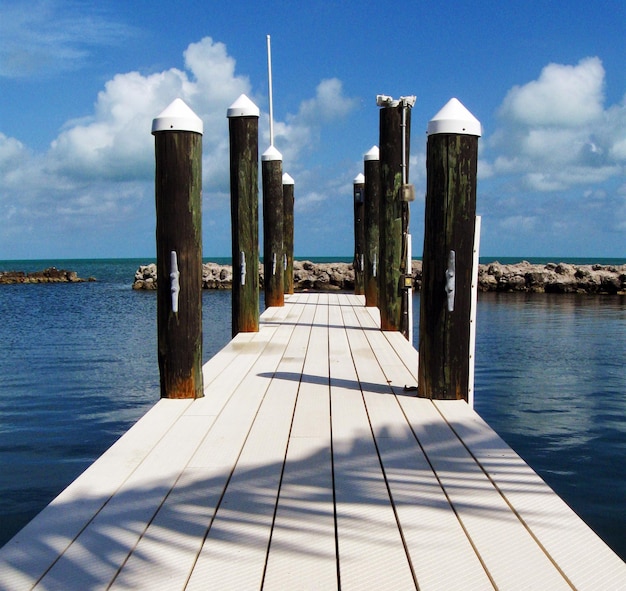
x=80, y=83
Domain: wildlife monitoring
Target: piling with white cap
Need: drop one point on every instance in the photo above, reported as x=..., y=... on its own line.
x=243, y=125
x=448, y=256
x=288, y=231
x=393, y=294
x=178, y=195
x=273, y=219
x=358, y=189
x=371, y=215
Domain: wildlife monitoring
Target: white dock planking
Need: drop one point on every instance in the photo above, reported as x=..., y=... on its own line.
x=307, y=466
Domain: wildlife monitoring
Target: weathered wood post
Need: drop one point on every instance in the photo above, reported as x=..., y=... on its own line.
x=288, y=204
x=358, y=188
x=450, y=218
x=178, y=194
x=371, y=214
x=243, y=123
x=273, y=268
x=395, y=193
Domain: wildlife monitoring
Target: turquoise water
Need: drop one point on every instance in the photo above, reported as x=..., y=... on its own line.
x=78, y=366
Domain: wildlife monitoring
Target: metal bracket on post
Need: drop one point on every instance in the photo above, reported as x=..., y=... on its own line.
x=273, y=263
x=242, y=267
x=374, y=265
x=451, y=280
x=174, y=282
x=285, y=261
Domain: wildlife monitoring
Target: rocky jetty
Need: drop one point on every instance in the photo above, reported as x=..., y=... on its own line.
x=307, y=276
x=518, y=277
x=553, y=278
x=50, y=275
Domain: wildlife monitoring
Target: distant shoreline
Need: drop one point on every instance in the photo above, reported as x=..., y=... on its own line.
x=49, y=275
x=492, y=277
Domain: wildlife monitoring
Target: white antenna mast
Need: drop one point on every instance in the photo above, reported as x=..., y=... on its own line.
x=269, y=72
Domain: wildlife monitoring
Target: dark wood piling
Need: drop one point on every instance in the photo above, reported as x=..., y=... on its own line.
x=243, y=122
x=358, y=189
x=273, y=268
x=448, y=257
x=395, y=129
x=371, y=214
x=288, y=223
x=178, y=195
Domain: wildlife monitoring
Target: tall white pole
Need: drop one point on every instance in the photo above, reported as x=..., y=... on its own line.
x=269, y=76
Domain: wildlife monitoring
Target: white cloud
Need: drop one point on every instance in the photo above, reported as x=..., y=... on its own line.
x=329, y=103
x=100, y=168
x=12, y=152
x=309, y=201
x=301, y=131
x=565, y=96
x=554, y=132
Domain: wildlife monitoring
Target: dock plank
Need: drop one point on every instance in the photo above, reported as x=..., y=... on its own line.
x=430, y=528
x=501, y=540
x=233, y=555
x=583, y=559
x=369, y=541
x=22, y=562
x=302, y=550
x=165, y=561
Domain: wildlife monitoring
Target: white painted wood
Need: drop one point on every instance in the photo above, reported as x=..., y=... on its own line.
x=576, y=548
x=369, y=542
x=22, y=561
x=101, y=548
x=234, y=553
x=302, y=549
x=431, y=531
x=206, y=492
x=503, y=543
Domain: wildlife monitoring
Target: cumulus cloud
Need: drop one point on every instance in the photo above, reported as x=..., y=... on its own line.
x=301, y=131
x=563, y=95
x=102, y=166
x=115, y=143
x=555, y=132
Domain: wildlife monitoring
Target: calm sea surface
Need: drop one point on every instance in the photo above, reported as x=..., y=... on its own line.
x=78, y=367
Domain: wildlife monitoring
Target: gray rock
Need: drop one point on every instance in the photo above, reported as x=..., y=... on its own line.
x=518, y=277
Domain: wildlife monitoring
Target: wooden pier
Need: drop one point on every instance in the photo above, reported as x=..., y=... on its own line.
x=308, y=466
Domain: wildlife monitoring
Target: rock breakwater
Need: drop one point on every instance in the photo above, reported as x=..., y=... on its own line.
x=50, y=275
x=518, y=277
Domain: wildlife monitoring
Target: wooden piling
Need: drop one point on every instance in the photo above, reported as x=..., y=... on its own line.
x=393, y=211
x=178, y=195
x=273, y=268
x=359, y=234
x=371, y=214
x=243, y=121
x=450, y=218
x=288, y=223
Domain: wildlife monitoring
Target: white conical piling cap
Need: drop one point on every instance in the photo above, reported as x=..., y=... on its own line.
x=243, y=107
x=287, y=180
x=372, y=154
x=177, y=117
x=359, y=179
x=271, y=154
x=454, y=118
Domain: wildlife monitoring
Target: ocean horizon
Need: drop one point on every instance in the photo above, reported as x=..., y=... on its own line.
x=227, y=260
x=78, y=366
